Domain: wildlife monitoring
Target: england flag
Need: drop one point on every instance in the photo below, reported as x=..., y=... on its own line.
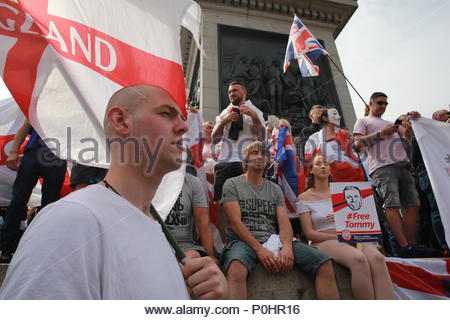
x=63, y=59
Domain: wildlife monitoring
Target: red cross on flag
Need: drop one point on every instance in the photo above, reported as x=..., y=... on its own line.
x=63, y=59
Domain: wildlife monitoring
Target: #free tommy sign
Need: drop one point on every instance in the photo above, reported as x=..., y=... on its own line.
x=355, y=213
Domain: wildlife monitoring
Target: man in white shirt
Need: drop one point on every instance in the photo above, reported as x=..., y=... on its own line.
x=101, y=242
x=237, y=126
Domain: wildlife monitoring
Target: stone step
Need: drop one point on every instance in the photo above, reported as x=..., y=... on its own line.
x=295, y=285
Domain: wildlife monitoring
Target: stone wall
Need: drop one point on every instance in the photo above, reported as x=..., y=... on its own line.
x=295, y=285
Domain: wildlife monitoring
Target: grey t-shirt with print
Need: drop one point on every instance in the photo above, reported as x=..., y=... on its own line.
x=258, y=206
x=179, y=221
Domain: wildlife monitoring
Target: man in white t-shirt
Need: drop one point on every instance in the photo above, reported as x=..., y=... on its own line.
x=238, y=125
x=101, y=242
x=389, y=168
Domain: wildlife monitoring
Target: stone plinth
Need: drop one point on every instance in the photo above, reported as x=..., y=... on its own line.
x=295, y=285
x=3, y=267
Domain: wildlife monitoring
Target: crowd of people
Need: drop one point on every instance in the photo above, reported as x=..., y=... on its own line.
x=101, y=242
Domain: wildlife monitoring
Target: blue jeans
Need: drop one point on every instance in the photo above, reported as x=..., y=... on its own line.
x=35, y=164
x=438, y=228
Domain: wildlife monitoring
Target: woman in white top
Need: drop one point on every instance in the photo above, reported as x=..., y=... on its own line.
x=370, y=276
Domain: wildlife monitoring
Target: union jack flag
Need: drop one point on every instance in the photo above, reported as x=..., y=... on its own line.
x=302, y=45
x=291, y=177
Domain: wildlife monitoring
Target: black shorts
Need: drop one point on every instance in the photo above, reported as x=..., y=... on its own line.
x=82, y=174
x=223, y=171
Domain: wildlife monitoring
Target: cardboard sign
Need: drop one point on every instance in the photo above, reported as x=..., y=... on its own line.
x=355, y=213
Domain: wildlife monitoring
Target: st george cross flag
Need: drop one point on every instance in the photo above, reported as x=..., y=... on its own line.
x=433, y=138
x=304, y=47
x=420, y=279
x=289, y=171
x=63, y=59
x=343, y=159
x=194, y=142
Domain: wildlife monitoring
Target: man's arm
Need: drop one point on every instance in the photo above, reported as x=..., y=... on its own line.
x=362, y=141
x=266, y=257
x=286, y=255
x=13, y=158
x=310, y=233
x=201, y=217
x=218, y=128
x=257, y=125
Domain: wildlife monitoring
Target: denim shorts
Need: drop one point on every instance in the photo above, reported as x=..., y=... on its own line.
x=308, y=258
x=396, y=185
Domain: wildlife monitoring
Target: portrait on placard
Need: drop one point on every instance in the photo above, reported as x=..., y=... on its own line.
x=355, y=213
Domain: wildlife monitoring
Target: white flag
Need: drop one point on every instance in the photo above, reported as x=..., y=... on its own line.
x=433, y=138
x=63, y=59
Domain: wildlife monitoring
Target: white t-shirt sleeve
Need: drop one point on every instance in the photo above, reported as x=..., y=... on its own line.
x=302, y=207
x=198, y=193
x=44, y=267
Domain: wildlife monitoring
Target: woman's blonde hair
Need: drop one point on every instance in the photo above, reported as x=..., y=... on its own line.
x=310, y=181
x=287, y=124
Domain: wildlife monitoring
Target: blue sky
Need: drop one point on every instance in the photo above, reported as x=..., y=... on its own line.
x=402, y=48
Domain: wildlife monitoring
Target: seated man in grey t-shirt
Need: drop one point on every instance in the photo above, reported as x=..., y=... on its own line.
x=191, y=205
x=254, y=206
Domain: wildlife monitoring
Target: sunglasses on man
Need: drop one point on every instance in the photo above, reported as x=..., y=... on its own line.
x=380, y=103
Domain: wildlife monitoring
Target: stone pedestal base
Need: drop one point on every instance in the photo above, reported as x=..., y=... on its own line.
x=295, y=285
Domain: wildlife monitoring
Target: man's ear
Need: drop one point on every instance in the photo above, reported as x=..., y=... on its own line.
x=119, y=121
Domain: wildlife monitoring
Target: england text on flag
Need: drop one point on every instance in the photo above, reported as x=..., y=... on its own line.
x=304, y=47
x=62, y=60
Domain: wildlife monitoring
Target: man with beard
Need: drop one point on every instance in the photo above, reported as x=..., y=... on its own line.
x=255, y=210
x=237, y=126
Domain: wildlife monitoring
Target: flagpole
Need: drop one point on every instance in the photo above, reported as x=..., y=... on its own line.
x=329, y=57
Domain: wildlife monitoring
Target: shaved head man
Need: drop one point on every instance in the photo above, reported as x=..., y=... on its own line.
x=101, y=242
